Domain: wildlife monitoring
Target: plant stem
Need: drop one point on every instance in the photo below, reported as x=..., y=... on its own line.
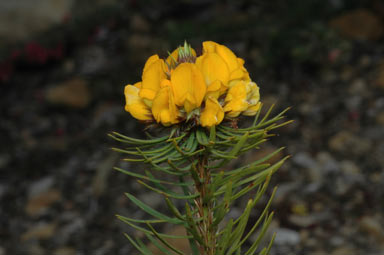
x=204, y=205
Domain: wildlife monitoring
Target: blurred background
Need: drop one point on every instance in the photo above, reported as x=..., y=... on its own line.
x=63, y=67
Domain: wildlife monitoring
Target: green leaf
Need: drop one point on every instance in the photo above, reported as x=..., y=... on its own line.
x=157, y=244
x=223, y=242
x=239, y=230
x=254, y=246
x=212, y=135
x=143, y=246
x=137, y=246
x=173, y=209
x=151, y=178
x=223, y=208
x=202, y=137
x=146, y=231
x=123, y=218
x=131, y=140
x=164, y=241
x=168, y=193
x=266, y=250
x=151, y=211
x=192, y=225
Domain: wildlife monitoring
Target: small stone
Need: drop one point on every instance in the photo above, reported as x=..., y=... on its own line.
x=285, y=236
x=359, y=24
x=379, y=79
x=74, y=93
x=21, y=19
x=65, y=251
x=74, y=226
x=40, y=203
x=327, y=162
x=36, y=249
x=345, y=141
x=305, y=221
x=305, y=160
x=139, y=41
x=138, y=23
x=103, y=170
x=40, y=186
x=2, y=251
x=41, y=231
x=92, y=59
x=349, y=167
x=380, y=118
x=373, y=226
x=358, y=87
x=344, y=251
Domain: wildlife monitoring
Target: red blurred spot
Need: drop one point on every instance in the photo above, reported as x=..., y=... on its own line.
x=6, y=69
x=354, y=116
x=36, y=53
x=333, y=55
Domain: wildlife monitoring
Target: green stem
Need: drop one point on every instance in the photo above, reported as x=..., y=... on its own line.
x=204, y=205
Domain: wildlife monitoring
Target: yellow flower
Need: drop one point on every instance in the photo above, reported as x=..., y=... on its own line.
x=153, y=74
x=164, y=109
x=253, y=99
x=174, y=89
x=235, y=65
x=213, y=113
x=236, y=100
x=188, y=86
x=134, y=105
x=214, y=70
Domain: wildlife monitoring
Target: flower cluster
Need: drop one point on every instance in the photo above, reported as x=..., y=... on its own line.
x=184, y=87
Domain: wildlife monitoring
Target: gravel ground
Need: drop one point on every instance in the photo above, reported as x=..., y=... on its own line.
x=62, y=92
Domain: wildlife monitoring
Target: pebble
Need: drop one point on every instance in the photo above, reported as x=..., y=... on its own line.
x=345, y=142
x=40, y=186
x=21, y=19
x=100, y=181
x=138, y=23
x=65, y=251
x=359, y=24
x=285, y=236
x=379, y=79
x=305, y=221
x=74, y=93
x=327, y=162
x=305, y=160
x=75, y=226
x=373, y=226
x=40, y=231
x=40, y=203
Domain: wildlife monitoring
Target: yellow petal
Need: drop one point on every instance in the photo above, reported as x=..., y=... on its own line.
x=150, y=61
x=228, y=56
x=188, y=86
x=153, y=74
x=235, y=65
x=213, y=113
x=164, y=109
x=215, y=89
x=252, y=110
x=209, y=46
x=213, y=68
x=236, y=100
x=253, y=98
x=134, y=105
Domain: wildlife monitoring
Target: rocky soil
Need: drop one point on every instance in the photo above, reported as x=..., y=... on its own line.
x=62, y=92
